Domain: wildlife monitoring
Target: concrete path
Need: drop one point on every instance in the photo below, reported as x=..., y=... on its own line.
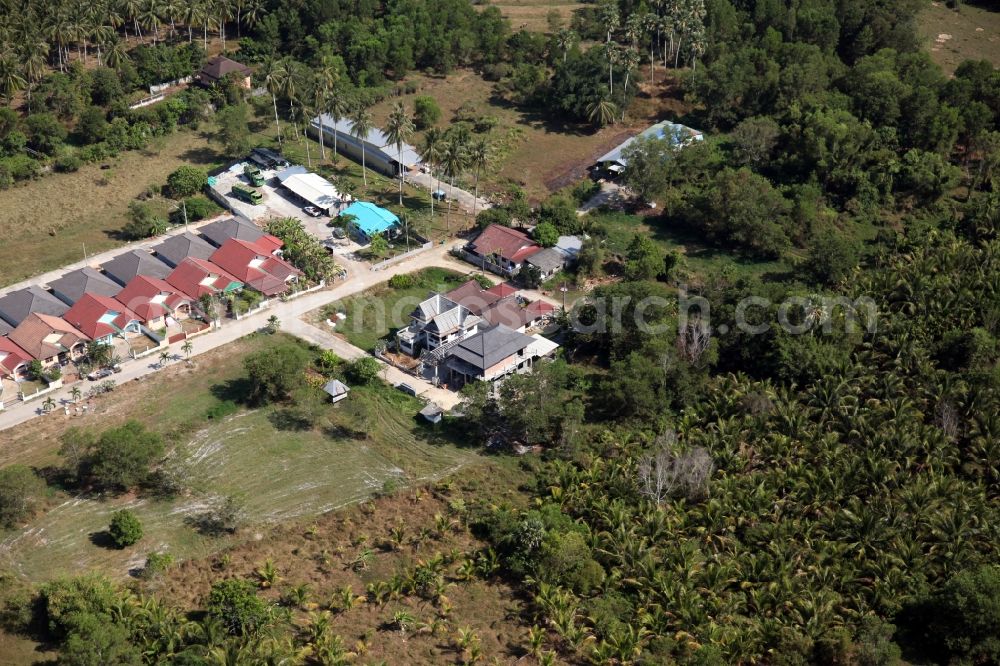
x=464, y=200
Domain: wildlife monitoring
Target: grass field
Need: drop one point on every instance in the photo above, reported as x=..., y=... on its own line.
x=277, y=471
x=46, y=222
x=376, y=313
x=953, y=36
x=533, y=14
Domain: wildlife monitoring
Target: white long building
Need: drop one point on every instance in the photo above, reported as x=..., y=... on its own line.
x=380, y=153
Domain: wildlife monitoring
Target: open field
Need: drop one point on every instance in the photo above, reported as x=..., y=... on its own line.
x=45, y=223
x=533, y=14
x=972, y=33
x=376, y=313
x=276, y=470
x=530, y=150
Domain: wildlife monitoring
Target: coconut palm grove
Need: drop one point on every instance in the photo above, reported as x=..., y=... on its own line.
x=771, y=434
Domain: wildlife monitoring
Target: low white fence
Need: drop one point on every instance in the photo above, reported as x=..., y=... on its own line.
x=400, y=257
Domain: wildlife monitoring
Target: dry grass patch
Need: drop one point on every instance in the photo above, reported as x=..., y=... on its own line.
x=45, y=223
x=972, y=33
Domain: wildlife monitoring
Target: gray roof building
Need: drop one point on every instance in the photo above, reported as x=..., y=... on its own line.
x=127, y=266
x=380, y=153
x=73, y=285
x=490, y=346
x=177, y=248
x=548, y=261
x=17, y=305
x=220, y=231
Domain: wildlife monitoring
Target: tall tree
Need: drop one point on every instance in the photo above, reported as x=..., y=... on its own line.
x=454, y=160
x=398, y=130
x=361, y=125
x=480, y=156
x=430, y=153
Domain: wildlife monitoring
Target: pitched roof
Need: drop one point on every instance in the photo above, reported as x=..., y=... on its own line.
x=177, y=248
x=11, y=355
x=490, y=346
x=73, y=285
x=677, y=135
x=507, y=311
x=126, y=266
x=150, y=297
x=217, y=233
x=5, y=328
x=44, y=336
x=99, y=316
x=472, y=296
x=547, y=260
x=451, y=320
x=509, y=243
x=432, y=307
x=370, y=218
x=218, y=66
x=376, y=139
x=335, y=388
x=254, y=266
x=310, y=186
x=502, y=290
x=17, y=305
x=197, y=277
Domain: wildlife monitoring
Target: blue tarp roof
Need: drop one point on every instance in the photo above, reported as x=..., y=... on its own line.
x=370, y=218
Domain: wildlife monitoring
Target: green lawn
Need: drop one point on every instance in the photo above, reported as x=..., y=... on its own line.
x=277, y=471
x=701, y=258
x=378, y=312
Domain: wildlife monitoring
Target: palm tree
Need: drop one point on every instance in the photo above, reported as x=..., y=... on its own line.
x=601, y=111
x=430, y=152
x=361, y=125
x=398, y=130
x=164, y=357
x=326, y=80
x=565, y=40
x=11, y=79
x=33, y=56
x=337, y=107
x=75, y=394
x=480, y=156
x=48, y=405
x=192, y=14
x=454, y=160
x=187, y=348
x=274, y=74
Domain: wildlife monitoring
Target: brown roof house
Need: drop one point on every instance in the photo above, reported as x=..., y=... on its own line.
x=501, y=249
x=49, y=339
x=219, y=67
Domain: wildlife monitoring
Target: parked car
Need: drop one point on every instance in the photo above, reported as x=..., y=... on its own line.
x=439, y=195
x=338, y=232
x=312, y=211
x=100, y=374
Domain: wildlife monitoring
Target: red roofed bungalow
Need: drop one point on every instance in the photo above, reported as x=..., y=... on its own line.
x=197, y=277
x=13, y=360
x=257, y=268
x=101, y=318
x=502, y=249
x=153, y=300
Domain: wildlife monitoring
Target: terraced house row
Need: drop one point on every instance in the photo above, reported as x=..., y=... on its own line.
x=140, y=298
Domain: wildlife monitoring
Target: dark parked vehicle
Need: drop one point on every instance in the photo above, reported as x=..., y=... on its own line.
x=312, y=211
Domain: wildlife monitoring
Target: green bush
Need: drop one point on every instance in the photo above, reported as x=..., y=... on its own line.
x=68, y=163
x=426, y=112
x=364, y=370
x=221, y=410
x=198, y=208
x=157, y=563
x=22, y=167
x=401, y=281
x=20, y=492
x=125, y=528
x=234, y=602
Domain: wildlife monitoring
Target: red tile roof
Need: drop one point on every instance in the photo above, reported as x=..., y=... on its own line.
x=510, y=244
x=11, y=355
x=251, y=263
x=138, y=296
x=502, y=290
x=92, y=315
x=191, y=273
x=32, y=336
x=472, y=296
